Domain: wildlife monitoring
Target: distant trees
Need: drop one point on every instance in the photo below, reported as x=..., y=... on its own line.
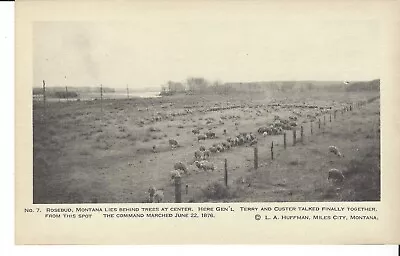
x=175, y=87
x=373, y=85
x=197, y=84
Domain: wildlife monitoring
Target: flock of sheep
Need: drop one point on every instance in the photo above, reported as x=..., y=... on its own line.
x=202, y=155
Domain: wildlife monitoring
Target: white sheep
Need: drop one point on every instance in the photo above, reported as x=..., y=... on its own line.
x=335, y=150
x=206, y=154
x=174, y=174
x=201, y=137
x=155, y=195
x=173, y=143
x=335, y=175
x=198, y=154
x=213, y=149
x=180, y=167
x=205, y=165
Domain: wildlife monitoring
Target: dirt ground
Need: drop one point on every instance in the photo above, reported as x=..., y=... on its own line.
x=113, y=151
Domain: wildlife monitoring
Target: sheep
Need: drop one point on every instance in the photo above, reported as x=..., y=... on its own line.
x=205, y=165
x=213, y=149
x=226, y=145
x=155, y=195
x=253, y=142
x=195, y=131
x=210, y=134
x=234, y=142
x=198, y=154
x=261, y=130
x=180, y=166
x=173, y=143
x=335, y=175
x=265, y=134
x=202, y=148
x=335, y=150
x=174, y=174
x=201, y=137
x=206, y=154
x=240, y=140
x=248, y=138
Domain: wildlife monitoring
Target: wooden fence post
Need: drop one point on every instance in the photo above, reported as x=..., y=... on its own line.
x=284, y=140
x=334, y=114
x=272, y=150
x=294, y=137
x=319, y=123
x=255, y=157
x=226, y=172
x=178, y=196
x=66, y=93
x=302, y=134
x=324, y=120
x=187, y=189
x=311, y=128
x=330, y=117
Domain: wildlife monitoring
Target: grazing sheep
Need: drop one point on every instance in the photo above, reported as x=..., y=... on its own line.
x=226, y=145
x=234, y=142
x=174, y=174
x=224, y=131
x=198, y=154
x=206, y=154
x=210, y=134
x=248, y=137
x=202, y=148
x=213, y=149
x=335, y=175
x=220, y=148
x=261, y=130
x=205, y=165
x=195, y=131
x=201, y=137
x=173, y=143
x=253, y=142
x=154, y=149
x=240, y=140
x=180, y=166
x=335, y=150
x=155, y=195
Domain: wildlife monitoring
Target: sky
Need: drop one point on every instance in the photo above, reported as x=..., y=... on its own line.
x=148, y=52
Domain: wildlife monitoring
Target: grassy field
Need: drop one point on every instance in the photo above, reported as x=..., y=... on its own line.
x=85, y=155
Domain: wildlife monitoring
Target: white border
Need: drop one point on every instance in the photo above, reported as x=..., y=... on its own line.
x=7, y=246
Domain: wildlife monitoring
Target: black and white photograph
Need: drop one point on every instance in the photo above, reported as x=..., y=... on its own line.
x=196, y=109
